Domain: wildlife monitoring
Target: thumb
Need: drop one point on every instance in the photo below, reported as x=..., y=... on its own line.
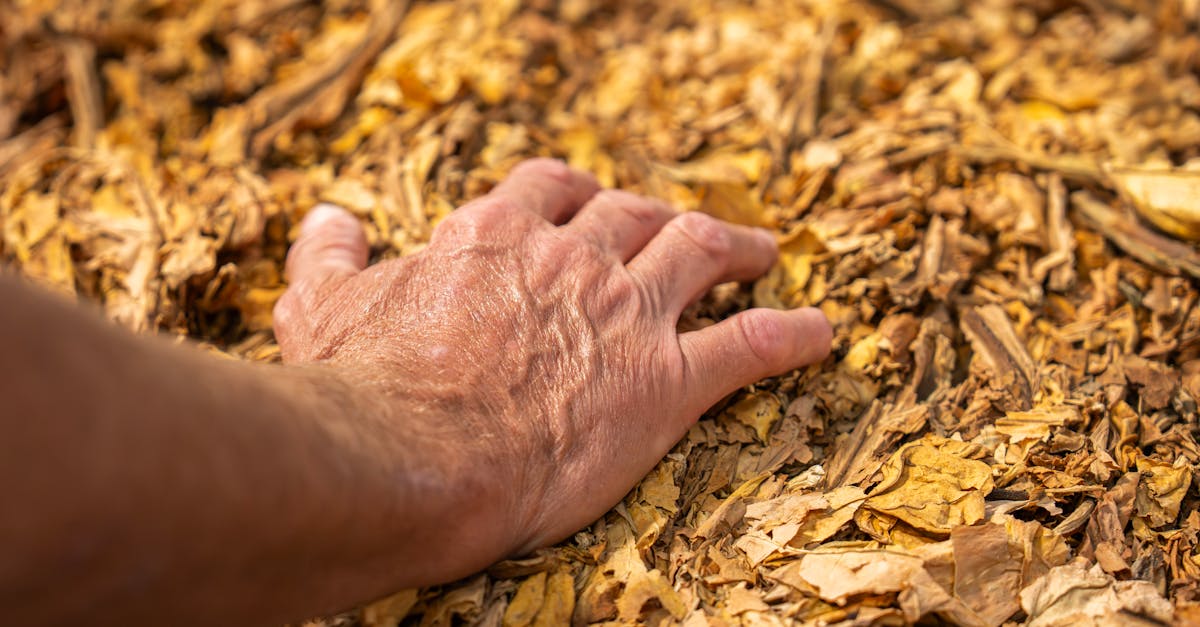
x=749, y=346
x=331, y=245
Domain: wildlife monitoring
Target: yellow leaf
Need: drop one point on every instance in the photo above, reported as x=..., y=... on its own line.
x=526, y=602
x=733, y=202
x=864, y=353
x=759, y=411
x=623, y=81
x=642, y=589
x=728, y=167
x=559, y=602
x=257, y=306
x=1170, y=199
x=1040, y=110
x=1034, y=425
x=390, y=611
x=1161, y=490
x=659, y=489
x=839, y=575
x=843, y=503
x=1073, y=595
x=31, y=221
x=370, y=121
x=931, y=486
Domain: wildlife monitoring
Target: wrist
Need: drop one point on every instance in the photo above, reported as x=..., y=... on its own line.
x=429, y=477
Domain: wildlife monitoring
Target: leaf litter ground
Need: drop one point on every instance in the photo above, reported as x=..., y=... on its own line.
x=995, y=202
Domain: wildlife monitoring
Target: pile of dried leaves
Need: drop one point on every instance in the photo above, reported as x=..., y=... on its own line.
x=994, y=201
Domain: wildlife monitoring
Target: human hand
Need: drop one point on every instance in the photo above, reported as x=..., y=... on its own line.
x=532, y=348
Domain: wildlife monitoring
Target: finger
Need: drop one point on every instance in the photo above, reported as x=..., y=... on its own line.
x=621, y=222
x=750, y=346
x=331, y=244
x=695, y=251
x=548, y=188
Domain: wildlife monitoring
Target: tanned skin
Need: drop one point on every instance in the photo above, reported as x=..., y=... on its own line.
x=490, y=395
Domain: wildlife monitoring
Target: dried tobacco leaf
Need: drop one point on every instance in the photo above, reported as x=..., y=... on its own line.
x=1168, y=198
x=542, y=600
x=390, y=611
x=994, y=562
x=965, y=189
x=838, y=576
x=758, y=411
x=931, y=485
x=1161, y=491
x=1072, y=594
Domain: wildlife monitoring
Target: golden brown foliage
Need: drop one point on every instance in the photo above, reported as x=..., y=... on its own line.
x=970, y=190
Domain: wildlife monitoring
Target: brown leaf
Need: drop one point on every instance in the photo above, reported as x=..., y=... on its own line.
x=1074, y=595
x=931, y=486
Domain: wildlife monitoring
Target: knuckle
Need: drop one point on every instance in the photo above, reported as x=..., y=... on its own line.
x=285, y=311
x=640, y=209
x=543, y=166
x=474, y=221
x=766, y=335
x=564, y=251
x=617, y=295
x=625, y=298
x=706, y=233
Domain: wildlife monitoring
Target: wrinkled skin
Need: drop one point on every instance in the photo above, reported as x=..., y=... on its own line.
x=533, y=344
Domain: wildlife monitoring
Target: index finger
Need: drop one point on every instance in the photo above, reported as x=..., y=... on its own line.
x=547, y=187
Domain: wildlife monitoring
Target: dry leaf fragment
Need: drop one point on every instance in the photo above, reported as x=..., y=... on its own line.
x=741, y=600
x=932, y=486
x=784, y=285
x=1170, y=199
x=1036, y=424
x=1147, y=246
x=1162, y=488
x=758, y=410
x=843, y=503
x=757, y=547
x=1156, y=381
x=838, y=576
x=659, y=488
x=731, y=510
x=793, y=508
x=996, y=343
x=987, y=571
x=194, y=255
x=559, y=602
x=391, y=610
x=993, y=562
x=1072, y=596
x=652, y=585
x=526, y=602
x=465, y=601
x=597, y=599
x=877, y=430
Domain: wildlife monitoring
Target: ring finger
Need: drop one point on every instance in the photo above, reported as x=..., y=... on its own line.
x=695, y=251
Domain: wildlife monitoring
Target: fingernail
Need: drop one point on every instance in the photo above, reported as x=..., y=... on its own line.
x=815, y=315
x=318, y=217
x=766, y=236
x=820, y=337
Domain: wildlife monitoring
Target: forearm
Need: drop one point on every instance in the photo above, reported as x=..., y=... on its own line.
x=145, y=481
